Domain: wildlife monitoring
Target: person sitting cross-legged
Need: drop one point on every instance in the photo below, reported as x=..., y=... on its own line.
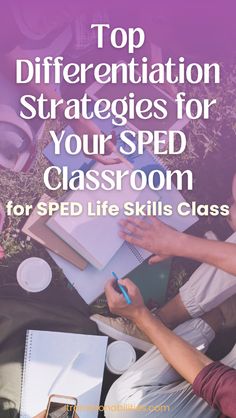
x=175, y=373
x=205, y=305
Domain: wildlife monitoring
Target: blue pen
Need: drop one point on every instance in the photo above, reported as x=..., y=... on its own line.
x=125, y=294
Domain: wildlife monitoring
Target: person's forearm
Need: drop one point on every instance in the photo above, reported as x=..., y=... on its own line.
x=184, y=358
x=220, y=254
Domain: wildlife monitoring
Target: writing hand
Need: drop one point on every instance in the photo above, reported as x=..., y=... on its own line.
x=117, y=303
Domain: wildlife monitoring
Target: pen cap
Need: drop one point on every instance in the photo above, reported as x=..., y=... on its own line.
x=120, y=356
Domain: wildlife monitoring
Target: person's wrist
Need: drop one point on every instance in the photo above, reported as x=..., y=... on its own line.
x=181, y=241
x=139, y=313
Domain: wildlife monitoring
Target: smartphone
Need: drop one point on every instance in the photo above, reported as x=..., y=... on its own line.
x=61, y=407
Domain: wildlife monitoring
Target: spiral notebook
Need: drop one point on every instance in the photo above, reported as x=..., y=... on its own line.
x=94, y=237
x=47, y=354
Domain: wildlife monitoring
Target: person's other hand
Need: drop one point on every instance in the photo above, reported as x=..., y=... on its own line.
x=152, y=235
x=116, y=300
x=88, y=127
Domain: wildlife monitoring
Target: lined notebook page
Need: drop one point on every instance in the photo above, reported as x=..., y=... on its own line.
x=47, y=354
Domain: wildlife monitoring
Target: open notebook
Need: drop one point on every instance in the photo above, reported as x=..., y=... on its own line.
x=47, y=354
x=90, y=282
x=95, y=238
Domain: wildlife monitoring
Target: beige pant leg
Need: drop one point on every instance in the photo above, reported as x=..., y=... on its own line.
x=207, y=288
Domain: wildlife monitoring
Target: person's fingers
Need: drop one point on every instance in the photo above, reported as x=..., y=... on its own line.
x=136, y=221
x=109, y=296
x=158, y=223
x=110, y=292
x=130, y=286
x=157, y=258
x=142, y=224
x=131, y=239
x=111, y=160
x=110, y=146
x=130, y=227
x=110, y=285
x=154, y=220
x=107, y=160
x=114, y=299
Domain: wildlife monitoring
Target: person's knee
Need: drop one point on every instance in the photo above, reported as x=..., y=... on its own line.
x=116, y=400
x=119, y=406
x=113, y=397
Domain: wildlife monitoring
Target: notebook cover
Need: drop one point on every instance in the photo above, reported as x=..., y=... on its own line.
x=36, y=228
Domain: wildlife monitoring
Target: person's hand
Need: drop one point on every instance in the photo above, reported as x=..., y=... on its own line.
x=152, y=235
x=43, y=415
x=88, y=127
x=117, y=303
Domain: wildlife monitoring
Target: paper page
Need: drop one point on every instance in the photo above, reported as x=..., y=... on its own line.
x=95, y=237
x=90, y=282
x=51, y=352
